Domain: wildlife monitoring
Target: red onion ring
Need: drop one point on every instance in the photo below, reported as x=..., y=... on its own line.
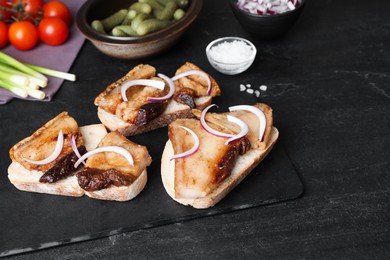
x=55, y=153
x=143, y=82
x=195, y=72
x=260, y=115
x=171, y=89
x=244, y=128
x=193, y=149
x=74, y=148
x=208, y=128
x=116, y=149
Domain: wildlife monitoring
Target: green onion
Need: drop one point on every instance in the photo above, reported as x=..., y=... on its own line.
x=17, y=79
x=18, y=91
x=41, y=80
x=10, y=70
x=26, y=79
x=53, y=73
x=35, y=93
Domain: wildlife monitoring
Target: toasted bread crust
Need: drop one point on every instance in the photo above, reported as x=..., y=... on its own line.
x=26, y=180
x=109, y=100
x=244, y=165
x=121, y=193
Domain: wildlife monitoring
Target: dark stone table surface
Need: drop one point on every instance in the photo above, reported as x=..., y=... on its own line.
x=328, y=81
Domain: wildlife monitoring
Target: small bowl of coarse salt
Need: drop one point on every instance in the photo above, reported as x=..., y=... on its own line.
x=231, y=55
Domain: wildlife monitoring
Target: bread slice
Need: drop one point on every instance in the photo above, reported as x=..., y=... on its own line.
x=121, y=193
x=191, y=181
x=173, y=111
x=107, y=161
x=26, y=180
x=244, y=165
x=109, y=99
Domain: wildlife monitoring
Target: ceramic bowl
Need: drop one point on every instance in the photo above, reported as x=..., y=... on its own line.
x=231, y=55
x=131, y=47
x=266, y=26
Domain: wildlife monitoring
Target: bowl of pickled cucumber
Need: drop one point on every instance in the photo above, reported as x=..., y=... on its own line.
x=136, y=29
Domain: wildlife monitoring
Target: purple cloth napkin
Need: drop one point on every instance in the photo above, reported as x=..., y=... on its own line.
x=54, y=57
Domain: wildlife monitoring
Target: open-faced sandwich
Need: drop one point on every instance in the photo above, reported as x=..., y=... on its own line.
x=205, y=158
x=144, y=100
x=64, y=159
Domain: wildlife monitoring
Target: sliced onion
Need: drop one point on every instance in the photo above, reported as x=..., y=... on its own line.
x=143, y=82
x=116, y=149
x=260, y=115
x=193, y=149
x=243, y=126
x=54, y=155
x=208, y=128
x=171, y=89
x=74, y=147
x=267, y=7
x=195, y=72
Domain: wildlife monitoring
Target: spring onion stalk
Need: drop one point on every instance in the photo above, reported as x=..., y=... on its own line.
x=39, y=78
x=33, y=85
x=18, y=91
x=35, y=93
x=10, y=70
x=17, y=79
x=53, y=73
x=26, y=79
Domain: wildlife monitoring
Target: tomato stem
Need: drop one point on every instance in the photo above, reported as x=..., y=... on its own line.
x=18, y=13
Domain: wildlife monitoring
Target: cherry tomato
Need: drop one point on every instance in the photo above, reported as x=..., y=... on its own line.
x=53, y=31
x=3, y=34
x=5, y=15
x=23, y=35
x=33, y=9
x=57, y=9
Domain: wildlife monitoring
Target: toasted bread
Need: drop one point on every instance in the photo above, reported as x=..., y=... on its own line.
x=109, y=161
x=109, y=100
x=26, y=180
x=29, y=180
x=121, y=193
x=244, y=164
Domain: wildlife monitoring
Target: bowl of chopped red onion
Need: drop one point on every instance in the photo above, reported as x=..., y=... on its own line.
x=267, y=19
x=231, y=55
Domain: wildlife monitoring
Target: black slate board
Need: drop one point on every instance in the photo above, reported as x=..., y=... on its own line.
x=32, y=221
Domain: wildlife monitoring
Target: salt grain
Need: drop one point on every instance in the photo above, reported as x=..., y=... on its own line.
x=263, y=87
x=231, y=52
x=248, y=89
